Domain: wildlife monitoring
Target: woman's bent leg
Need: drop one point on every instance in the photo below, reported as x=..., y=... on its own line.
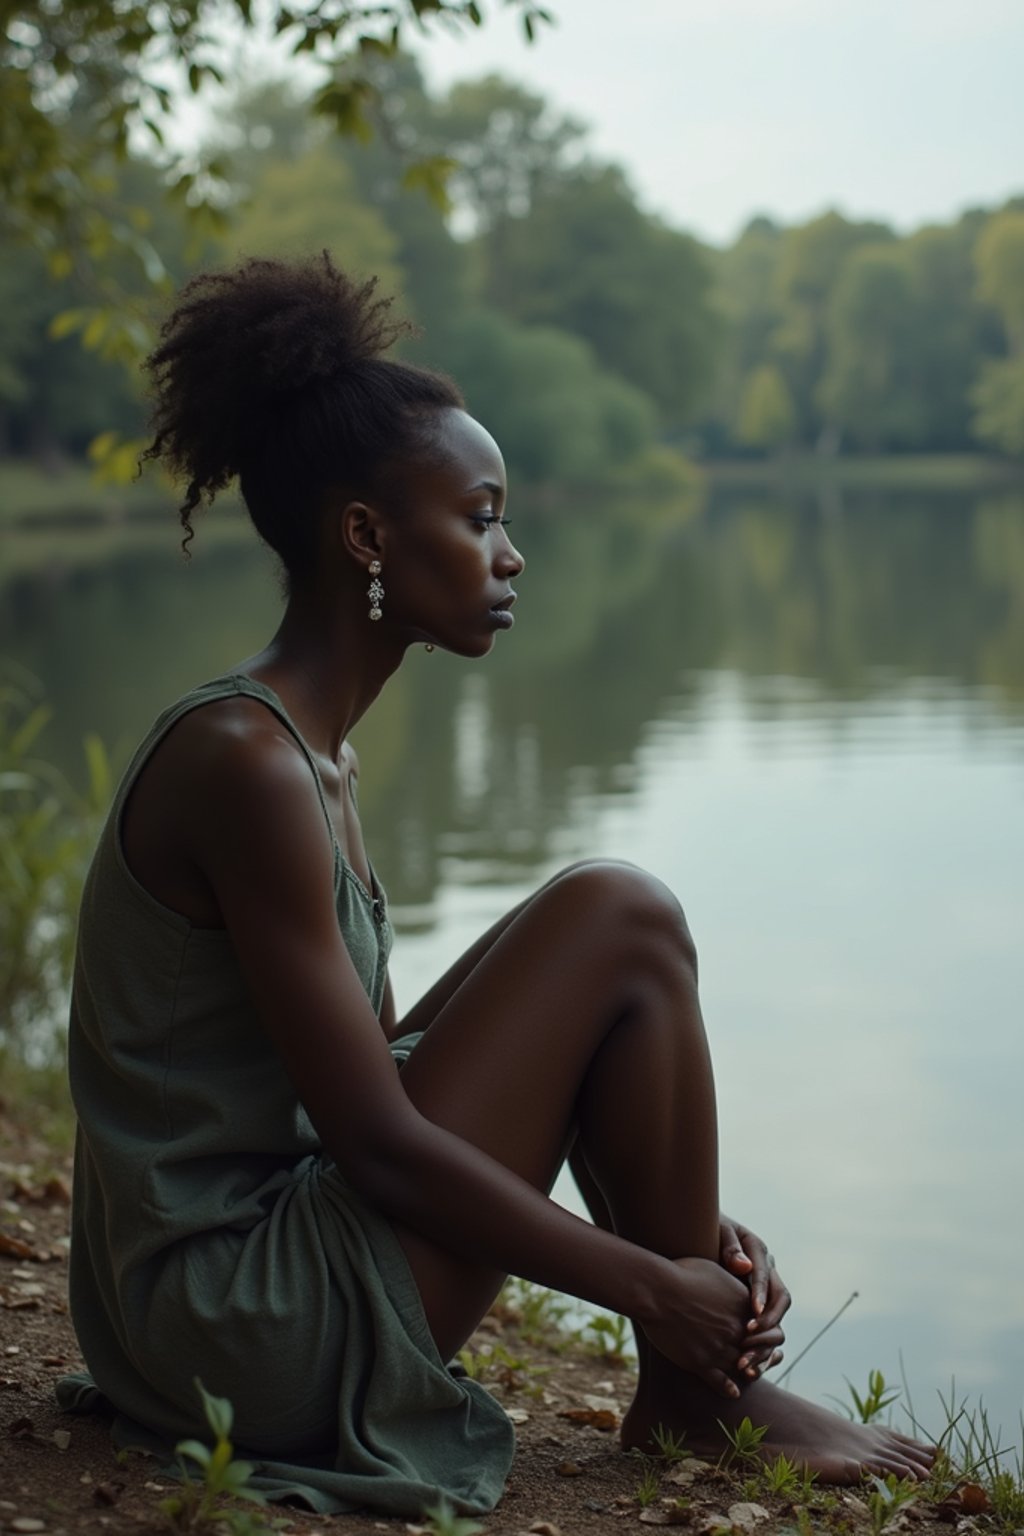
x=598, y=964
x=581, y=1018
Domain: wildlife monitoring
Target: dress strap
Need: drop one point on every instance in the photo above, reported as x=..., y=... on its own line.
x=249, y=687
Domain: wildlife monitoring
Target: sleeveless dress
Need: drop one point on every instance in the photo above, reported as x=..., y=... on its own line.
x=213, y=1237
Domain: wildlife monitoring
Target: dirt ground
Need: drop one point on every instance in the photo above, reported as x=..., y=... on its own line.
x=59, y=1475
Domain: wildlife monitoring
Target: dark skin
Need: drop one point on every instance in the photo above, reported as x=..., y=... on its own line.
x=552, y=1036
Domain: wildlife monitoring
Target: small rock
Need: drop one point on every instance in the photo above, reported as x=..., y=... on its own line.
x=62, y=1439
x=747, y=1516
x=7, y=1508
x=517, y=1415
x=545, y=1528
x=26, y=1525
x=569, y=1469
x=12, y=1349
x=708, y=1523
x=684, y=1472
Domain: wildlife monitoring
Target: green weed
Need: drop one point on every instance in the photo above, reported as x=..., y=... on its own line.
x=875, y=1401
x=671, y=1447
x=744, y=1440
x=970, y=1445
x=649, y=1486
x=199, y=1507
x=47, y=829
x=441, y=1520
x=969, y=1451
x=612, y=1335
x=496, y=1361
x=787, y=1479
x=539, y=1314
x=1006, y=1492
x=888, y=1495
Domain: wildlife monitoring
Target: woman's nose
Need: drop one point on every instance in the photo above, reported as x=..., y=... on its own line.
x=509, y=561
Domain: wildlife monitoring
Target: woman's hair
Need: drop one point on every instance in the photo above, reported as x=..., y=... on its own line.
x=273, y=372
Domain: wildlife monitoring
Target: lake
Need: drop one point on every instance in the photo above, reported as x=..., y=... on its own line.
x=807, y=716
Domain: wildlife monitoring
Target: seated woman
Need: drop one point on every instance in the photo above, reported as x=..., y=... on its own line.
x=262, y=1198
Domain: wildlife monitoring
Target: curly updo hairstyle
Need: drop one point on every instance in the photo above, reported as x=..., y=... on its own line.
x=273, y=372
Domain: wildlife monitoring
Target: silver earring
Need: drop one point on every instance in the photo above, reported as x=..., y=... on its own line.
x=376, y=591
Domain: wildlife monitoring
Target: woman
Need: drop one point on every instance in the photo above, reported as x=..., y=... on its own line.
x=261, y=1198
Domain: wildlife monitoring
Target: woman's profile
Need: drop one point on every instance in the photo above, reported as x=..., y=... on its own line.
x=281, y=1187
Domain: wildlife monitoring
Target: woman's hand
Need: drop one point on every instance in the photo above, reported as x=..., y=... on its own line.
x=702, y=1326
x=746, y=1255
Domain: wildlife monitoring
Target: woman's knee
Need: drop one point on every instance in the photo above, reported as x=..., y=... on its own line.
x=627, y=902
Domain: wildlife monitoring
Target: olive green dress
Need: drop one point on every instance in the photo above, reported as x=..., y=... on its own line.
x=213, y=1237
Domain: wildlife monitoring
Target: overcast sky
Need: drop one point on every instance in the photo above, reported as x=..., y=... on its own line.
x=906, y=110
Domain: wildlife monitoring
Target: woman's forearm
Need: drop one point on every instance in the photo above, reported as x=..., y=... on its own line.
x=448, y=1191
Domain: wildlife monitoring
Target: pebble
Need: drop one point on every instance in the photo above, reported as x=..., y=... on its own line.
x=26, y=1525
x=569, y=1469
x=62, y=1439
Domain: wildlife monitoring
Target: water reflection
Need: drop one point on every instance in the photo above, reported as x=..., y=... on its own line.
x=624, y=615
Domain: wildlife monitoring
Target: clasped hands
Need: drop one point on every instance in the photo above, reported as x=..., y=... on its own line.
x=746, y=1256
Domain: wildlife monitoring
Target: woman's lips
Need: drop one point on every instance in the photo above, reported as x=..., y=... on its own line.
x=501, y=612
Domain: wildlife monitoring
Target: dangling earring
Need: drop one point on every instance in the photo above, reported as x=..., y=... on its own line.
x=376, y=591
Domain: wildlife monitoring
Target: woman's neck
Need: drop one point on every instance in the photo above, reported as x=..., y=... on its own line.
x=328, y=664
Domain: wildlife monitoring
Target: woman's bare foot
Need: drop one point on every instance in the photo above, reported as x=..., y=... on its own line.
x=836, y=1450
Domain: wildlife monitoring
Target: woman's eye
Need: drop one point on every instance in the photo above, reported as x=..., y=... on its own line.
x=488, y=519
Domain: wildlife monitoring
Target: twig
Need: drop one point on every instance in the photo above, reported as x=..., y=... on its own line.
x=819, y=1335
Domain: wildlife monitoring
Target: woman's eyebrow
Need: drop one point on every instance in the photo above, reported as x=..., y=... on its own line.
x=488, y=485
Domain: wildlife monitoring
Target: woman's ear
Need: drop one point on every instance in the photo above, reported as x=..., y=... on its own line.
x=360, y=529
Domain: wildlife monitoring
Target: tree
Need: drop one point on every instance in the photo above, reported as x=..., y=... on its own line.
x=872, y=387
x=999, y=258
x=82, y=84
x=586, y=259
x=998, y=395
x=766, y=416
x=508, y=148
x=556, y=413
x=998, y=398
x=809, y=265
x=294, y=207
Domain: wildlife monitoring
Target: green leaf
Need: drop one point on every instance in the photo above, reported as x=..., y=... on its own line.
x=219, y=1413
x=67, y=321
x=194, y=1450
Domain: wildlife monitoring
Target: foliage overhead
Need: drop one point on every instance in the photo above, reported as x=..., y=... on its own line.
x=81, y=84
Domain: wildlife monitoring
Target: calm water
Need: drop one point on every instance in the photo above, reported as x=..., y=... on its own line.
x=809, y=720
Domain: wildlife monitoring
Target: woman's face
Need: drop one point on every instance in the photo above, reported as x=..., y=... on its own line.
x=448, y=562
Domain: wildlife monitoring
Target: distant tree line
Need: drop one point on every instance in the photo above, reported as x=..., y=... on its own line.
x=594, y=339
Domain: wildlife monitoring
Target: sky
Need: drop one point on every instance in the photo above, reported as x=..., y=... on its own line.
x=904, y=110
